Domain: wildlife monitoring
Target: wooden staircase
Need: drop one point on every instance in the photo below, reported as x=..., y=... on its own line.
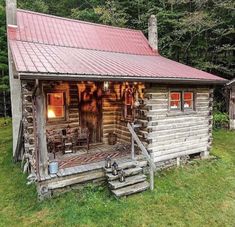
x=135, y=179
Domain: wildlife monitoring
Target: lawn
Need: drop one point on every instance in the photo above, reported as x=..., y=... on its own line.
x=199, y=194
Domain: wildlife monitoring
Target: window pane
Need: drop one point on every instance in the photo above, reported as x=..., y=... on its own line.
x=175, y=95
x=188, y=100
x=55, y=105
x=55, y=112
x=188, y=104
x=188, y=95
x=175, y=104
x=55, y=99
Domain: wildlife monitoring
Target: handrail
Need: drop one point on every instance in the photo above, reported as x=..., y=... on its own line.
x=141, y=146
x=144, y=152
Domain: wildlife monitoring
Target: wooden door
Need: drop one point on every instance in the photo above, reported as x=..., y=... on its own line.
x=91, y=111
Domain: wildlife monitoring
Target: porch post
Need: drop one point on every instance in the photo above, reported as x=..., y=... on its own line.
x=41, y=132
x=132, y=145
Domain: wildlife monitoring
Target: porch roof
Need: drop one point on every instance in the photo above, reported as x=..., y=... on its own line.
x=48, y=47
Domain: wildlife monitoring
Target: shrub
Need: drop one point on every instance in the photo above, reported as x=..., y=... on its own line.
x=220, y=120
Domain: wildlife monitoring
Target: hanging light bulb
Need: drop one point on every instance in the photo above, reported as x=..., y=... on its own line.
x=106, y=86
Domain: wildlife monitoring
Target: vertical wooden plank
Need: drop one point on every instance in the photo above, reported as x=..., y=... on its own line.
x=132, y=148
x=178, y=161
x=41, y=132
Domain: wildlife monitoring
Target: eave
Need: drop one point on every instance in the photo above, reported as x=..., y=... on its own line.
x=90, y=77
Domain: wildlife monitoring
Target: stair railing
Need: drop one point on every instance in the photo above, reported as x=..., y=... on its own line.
x=135, y=138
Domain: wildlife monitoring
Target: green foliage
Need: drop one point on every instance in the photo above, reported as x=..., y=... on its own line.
x=37, y=6
x=220, y=120
x=199, y=33
x=196, y=32
x=203, y=190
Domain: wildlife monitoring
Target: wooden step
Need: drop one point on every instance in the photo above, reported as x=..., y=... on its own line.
x=129, y=181
x=124, y=165
x=131, y=189
x=128, y=172
x=143, y=163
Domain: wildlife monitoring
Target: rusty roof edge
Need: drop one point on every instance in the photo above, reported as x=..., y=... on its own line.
x=83, y=77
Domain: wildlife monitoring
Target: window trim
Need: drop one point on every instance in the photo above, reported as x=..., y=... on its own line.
x=182, y=108
x=59, y=119
x=183, y=100
x=180, y=100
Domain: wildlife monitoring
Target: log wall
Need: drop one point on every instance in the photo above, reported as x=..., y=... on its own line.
x=72, y=113
x=112, y=110
x=113, y=106
x=172, y=134
x=29, y=122
x=166, y=134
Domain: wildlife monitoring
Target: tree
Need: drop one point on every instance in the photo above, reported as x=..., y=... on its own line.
x=196, y=32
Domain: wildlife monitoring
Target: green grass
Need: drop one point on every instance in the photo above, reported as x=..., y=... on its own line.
x=200, y=194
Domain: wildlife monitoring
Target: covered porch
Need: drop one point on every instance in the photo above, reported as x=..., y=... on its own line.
x=79, y=122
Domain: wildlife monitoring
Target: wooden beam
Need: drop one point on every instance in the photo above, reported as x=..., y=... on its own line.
x=41, y=132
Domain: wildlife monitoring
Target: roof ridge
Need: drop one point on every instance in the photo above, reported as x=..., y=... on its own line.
x=78, y=21
x=81, y=48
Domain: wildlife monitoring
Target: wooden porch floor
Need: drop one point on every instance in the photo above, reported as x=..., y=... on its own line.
x=95, y=154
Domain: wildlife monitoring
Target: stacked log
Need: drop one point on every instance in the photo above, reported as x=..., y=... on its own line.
x=28, y=122
x=174, y=134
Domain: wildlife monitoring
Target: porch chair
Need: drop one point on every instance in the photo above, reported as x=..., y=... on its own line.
x=55, y=142
x=80, y=137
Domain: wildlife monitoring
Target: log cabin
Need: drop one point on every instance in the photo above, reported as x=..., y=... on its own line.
x=231, y=88
x=83, y=94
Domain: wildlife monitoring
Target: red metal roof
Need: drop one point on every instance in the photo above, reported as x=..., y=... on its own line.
x=44, y=44
x=52, y=30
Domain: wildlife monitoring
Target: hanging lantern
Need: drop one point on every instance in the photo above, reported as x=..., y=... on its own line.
x=121, y=175
x=108, y=162
x=115, y=169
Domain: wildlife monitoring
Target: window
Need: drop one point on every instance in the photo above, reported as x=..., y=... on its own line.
x=129, y=101
x=55, y=105
x=181, y=100
x=175, y=100
x=188, y=100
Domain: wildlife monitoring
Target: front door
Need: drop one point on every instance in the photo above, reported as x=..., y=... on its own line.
x=91, y=111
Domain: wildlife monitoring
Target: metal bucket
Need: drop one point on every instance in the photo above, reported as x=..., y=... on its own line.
x=53, y=167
